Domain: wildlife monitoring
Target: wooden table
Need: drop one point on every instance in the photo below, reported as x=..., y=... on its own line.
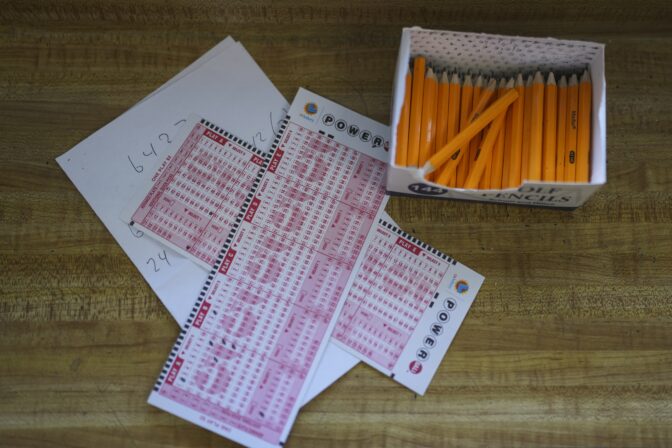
x=569, y=342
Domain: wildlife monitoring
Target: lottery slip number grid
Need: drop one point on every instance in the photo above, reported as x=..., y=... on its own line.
x=393, y=289
x=260, y=399
x=199, y=191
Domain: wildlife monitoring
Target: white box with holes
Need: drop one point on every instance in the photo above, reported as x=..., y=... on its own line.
x=502, y=55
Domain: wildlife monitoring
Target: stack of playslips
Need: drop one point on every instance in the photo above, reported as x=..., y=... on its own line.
x=261, y=227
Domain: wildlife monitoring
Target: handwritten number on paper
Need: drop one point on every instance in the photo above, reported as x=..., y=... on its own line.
x=275, y=125
x=153, y=151
x=153, y=261
x=164, y=137
x=136, y=232
x=258, y=136
x=164, y=258
x=138, y=168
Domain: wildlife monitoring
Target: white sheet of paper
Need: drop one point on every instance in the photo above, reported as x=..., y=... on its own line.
x=205, y=57
x=108, y=165
x=224, y=83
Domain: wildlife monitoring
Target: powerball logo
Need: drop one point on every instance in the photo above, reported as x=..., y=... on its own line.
x=310, y=108
x=309, y=111
x=461, y=286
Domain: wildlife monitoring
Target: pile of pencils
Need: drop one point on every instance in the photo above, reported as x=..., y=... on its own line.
x=477, y=133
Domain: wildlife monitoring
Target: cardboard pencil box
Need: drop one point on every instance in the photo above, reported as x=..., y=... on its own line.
x=502, y=56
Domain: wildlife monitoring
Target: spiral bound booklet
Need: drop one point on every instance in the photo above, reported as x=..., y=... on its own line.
x=259, y=327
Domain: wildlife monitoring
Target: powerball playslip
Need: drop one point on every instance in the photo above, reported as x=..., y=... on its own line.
x=257, y=330
x=191, y=205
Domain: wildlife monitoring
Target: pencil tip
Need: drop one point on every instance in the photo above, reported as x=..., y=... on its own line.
x=585, y=77
x=551, y=79
x=510, y=83
x=573, y=80
x=528, y=81
x=563, y=81
x=479, y=81
x=467, y=80
x=519, y=80
x=455, y=79
x=538, y=78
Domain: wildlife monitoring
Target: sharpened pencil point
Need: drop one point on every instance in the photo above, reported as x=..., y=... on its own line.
x=563, y=81
x=528, y=81
x=573, y=80
x=538, y=78
x=551, y=79
x=479, y=81
x=585, y=77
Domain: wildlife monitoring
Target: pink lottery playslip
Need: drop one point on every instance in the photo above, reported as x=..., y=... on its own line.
x=195, y=196
x=256, y=333
x=405, y=306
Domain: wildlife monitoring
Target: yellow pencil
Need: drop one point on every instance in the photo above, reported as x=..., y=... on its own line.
x=442, y=104
x=497, y=149
x=452, y=148
x=497, y=165
x=448, y=174
x=561, y=131
x=550, y=129
x=583, y=133
x=486, y=149
x=476, y=141
x=508, y=142
x=571, y=126
x=491, y=92
x=465, y=111
x=484, y=100
x=527, y=122
x=536, y=127
x=416, y=112
x=402, y=129
x=428, y=123
x=517, y=111
x=450, y=167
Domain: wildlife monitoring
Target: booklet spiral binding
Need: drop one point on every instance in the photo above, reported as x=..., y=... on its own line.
x=201, y=296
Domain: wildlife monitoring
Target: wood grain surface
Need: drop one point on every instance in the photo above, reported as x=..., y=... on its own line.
x=568, y=344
